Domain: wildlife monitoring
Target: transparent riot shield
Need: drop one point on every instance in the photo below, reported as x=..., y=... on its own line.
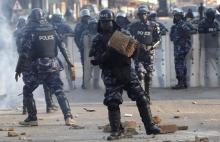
x=159, y=74
x=193, y=63
x=87, y=42
x=92, y=74
x=69, y=83
x=209, y=59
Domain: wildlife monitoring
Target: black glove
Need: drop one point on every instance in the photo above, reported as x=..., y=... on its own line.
x=94, y=62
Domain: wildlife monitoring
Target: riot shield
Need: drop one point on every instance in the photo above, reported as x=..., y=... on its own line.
x=209, y=59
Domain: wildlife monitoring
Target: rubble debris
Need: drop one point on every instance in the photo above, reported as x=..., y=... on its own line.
x=180, y=128
x=23, y=133
x=194, y=102
x=165, y=129
x=178, y=111
x=129, y=128
x=128, y=115
x=172, y=128
x=76, y=116
x=12, y=134
x=157, y=119
x=176, y=117
x=89, y=110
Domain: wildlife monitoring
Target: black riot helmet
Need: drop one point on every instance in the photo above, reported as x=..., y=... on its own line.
x=177, y=15
x=56, y=18
x=106, y=21
x=36, y=15
x=210, y=14
x=143, y=10
x=143, y=13
x=21, y=23
x=106, y=15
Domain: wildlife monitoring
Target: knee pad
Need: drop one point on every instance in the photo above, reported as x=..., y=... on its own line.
x=142, y=100
x=113, y=106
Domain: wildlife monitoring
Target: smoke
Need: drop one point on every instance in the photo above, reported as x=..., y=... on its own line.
x=9, y=88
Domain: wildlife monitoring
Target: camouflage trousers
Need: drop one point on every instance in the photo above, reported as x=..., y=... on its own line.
x=53, y=82
x=47, y=92
x=114, y=88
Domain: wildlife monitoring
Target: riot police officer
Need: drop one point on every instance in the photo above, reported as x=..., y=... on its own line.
x=180, y=35
x=39, y=46
x=80, y=27
x=50, y=106
x=208, y=24
x=118, y=75
x=148, y=34
x=122, y=20
x=152, y=17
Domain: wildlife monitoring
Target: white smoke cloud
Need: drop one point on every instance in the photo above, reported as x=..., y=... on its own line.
x=9, y=88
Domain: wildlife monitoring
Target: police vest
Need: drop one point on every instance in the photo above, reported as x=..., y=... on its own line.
x=43, y=44
x=144, y=33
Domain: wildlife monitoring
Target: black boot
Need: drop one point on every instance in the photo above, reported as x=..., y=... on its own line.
x=31, y=120
x=180, y=85
x=115, y=123
x=146, y=116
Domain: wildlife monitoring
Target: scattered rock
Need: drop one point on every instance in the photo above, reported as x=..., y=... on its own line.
x=12, y=134
x=23, y=133
x=176, y=117
x=40, y=119
x=129, y=124
x=178, y=111
x=194, y=102
x=183, y=128
x=58, y=120
x=76, y=116
x=165, y=129
x=157, y=119
x=128, y=115
x=89, y=110
x=129, y=128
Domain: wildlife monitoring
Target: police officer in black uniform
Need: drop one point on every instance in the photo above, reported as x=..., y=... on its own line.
x=50, y=106
x=39, y=46
x=118, y=75
x=208, y=24
x=147, y=33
